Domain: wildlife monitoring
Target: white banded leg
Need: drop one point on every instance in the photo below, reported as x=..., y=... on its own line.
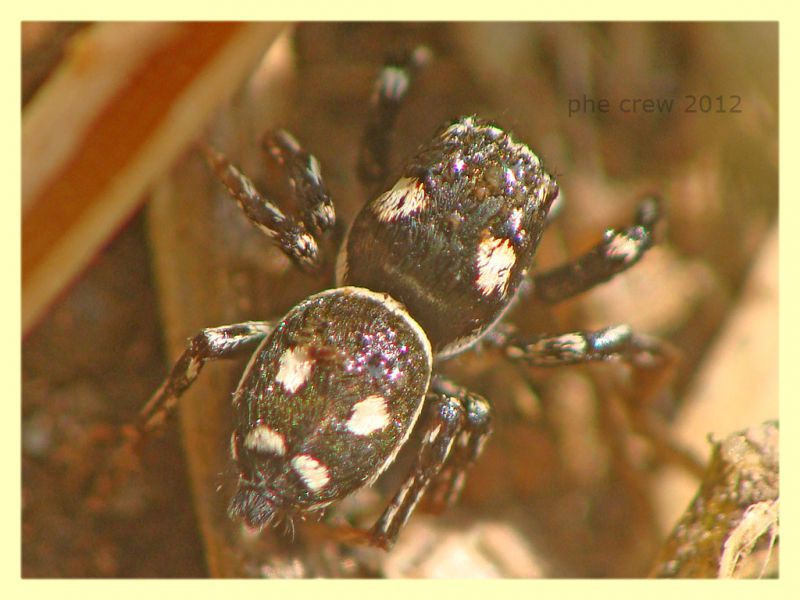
x=616, y=342
x=618, y=251
x=476, y=428
x=457, y=425
x=213, y=343
x=296, y=237
x=390, y=90
x=209, y=344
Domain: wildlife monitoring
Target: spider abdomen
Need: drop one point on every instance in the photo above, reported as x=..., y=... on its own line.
x=327, y=401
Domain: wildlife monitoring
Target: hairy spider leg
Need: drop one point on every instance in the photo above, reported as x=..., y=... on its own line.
x=228, y=341
x=391, y=88
x=575, y=347
x=209, y=344
x=302, y=171
x=618, y=251
x=297, y=238
x=456, y=427
x=653, y=360
x=477, y=428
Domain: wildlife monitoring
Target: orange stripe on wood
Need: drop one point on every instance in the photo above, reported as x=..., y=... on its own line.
x=117, y=134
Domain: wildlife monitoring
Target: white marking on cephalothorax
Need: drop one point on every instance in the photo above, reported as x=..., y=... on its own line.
x=264, y=439
x=294, y=368
x=369, y=415
x=406, y=198
x=314, y=474
x=495, y=259
x=462, y=343
x=622, y=246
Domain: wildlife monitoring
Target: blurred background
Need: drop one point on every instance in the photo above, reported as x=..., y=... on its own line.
x=577, y=481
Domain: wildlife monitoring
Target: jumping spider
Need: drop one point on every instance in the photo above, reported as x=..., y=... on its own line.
x=428, y=268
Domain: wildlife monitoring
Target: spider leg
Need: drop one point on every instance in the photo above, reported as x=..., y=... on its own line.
x=653, y=363
x=476, y=429
x=209, y=344
x=305, y=180
x=618, y=251
x=297, y=238
x=652, y=360
x=457, y=424
x=616, y=342
x=390, y=90
x=213, y=343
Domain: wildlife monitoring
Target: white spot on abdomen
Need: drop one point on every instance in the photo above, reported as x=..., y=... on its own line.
x=369, y=414
x=495, y=259
x=263, y=439
x=406, y=198
x=294, y=368
x=314, y=474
